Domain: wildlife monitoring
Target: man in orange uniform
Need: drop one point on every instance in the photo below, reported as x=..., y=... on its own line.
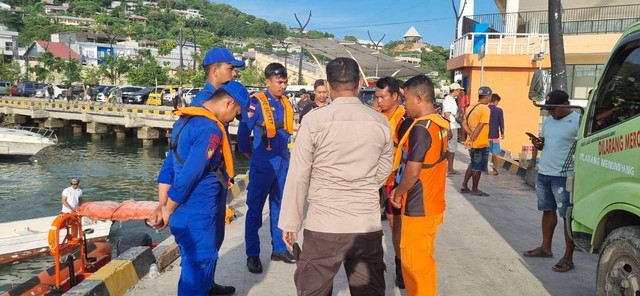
x=422, y=170
x=388, y=99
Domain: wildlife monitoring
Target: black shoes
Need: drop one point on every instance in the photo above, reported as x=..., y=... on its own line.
x=285, y=256
x=254, y=265
x=219, y=290
x=399, y=278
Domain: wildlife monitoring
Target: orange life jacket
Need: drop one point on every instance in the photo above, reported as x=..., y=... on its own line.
x=269, y=120
x=434, y=168
x=226, y=146
x=394, y=121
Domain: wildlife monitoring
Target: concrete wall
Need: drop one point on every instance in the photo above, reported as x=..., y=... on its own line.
x=510, y=77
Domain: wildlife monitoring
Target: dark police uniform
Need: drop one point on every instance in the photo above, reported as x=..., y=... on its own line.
x=267, y=171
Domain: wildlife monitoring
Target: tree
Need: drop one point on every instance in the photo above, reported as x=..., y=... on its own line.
x=9, y=71
x=11, y=20
x=92, y=76
x=350, y=38
x=458, y=14
x=251, y=75
x=144, y=70
x=435, y=60
x=115, y=66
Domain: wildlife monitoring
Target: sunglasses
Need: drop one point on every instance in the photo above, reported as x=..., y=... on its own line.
x=277, y=72
x=75, y=184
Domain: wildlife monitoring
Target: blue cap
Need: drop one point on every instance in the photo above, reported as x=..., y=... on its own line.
x=484, y=91
x=238, y=92
x=220, y=55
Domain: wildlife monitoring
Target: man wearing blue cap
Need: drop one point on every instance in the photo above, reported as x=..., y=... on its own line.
x=202, y=168
x=270, y=117
x=219, y=66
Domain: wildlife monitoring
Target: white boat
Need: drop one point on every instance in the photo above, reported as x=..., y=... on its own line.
x=27, y=238
x=25, y=141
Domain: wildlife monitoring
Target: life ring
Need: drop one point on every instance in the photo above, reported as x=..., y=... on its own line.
x=70, y=224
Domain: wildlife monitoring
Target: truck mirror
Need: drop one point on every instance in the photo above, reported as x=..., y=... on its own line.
x=540, y=85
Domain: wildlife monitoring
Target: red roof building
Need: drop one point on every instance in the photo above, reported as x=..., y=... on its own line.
x=57, y=49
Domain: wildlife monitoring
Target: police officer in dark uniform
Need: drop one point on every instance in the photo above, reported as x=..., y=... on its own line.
x=270, y=118
x=203, y=167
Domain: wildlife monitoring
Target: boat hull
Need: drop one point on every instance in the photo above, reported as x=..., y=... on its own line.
x=27, y=238
x=44, y=282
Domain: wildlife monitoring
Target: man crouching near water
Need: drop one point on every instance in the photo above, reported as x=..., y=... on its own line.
x=422, y=170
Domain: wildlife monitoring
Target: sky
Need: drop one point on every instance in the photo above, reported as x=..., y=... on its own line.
x=434, y=19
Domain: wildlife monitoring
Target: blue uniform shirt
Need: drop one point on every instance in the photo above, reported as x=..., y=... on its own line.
x=279, y=144
x=166, y=172
x=199, y=146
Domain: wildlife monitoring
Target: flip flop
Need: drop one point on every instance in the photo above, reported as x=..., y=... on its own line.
x=479, y=193
x=465, y=190
x=537, y=253
x=559, y=266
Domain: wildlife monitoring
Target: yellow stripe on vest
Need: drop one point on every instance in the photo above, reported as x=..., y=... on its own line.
x=269, y=120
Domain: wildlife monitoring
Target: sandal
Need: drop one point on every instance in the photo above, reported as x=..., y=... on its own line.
x=537, y=252
x=563, y=265
x=465, y=190
x=479, y=193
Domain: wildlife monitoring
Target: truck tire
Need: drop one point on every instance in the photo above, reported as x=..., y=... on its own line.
x=619, y=263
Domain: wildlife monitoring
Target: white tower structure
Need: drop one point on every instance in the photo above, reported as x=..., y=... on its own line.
x=467, y=7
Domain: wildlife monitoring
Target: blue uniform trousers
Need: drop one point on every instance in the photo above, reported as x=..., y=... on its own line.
x=199, y=238
x=263, y=182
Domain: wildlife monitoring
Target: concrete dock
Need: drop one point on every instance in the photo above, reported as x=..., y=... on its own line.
x=479, y=250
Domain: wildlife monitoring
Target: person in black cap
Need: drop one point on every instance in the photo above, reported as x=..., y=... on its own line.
x=557, y=142
x=476, y=124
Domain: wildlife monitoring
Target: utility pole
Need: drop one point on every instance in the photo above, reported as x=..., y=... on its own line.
x=556, y=46
x=377, y=45
x=301, y=54
x=181, y=43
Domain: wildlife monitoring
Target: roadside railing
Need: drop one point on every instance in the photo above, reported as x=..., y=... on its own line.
x=589, y=20
x=501, y=43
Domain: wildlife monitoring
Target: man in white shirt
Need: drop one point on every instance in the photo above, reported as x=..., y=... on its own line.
x=449, y=111
x=71, y=197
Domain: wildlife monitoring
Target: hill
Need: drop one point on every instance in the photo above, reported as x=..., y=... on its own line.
x=141, y=20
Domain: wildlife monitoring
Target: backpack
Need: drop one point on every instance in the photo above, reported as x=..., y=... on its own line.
x=459, y=116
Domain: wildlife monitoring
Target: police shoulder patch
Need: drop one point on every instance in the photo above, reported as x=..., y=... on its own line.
x=214, y=141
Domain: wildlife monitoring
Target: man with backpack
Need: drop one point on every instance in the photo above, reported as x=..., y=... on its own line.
x=450, y=112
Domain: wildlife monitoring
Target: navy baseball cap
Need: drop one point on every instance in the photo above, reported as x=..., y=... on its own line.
x=238, y=92
x=556, y=97
x=484, y=91
x=220, y=55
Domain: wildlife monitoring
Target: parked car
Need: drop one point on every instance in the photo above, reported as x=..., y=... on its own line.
x=41, y=91
x=139, y=97
x=189, y=93
x=162, y=95
x=26, y=88
x=127, y=91
x=103, y=93
x=5, y=88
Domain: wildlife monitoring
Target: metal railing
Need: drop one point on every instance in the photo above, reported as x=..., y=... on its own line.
x=47, y=133
x=501, y=43
x=590, y=20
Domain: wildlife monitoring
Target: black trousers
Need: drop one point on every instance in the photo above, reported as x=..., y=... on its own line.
x=323, y=253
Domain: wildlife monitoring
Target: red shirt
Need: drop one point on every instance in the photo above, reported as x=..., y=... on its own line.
x=463, y=102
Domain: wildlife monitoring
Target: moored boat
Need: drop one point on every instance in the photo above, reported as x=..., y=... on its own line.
x=27, y=238
x=25, y=141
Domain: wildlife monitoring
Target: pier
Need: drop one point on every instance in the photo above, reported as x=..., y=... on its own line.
x=150, y=123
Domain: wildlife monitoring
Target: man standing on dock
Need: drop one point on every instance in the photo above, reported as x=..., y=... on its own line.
x=270, y=118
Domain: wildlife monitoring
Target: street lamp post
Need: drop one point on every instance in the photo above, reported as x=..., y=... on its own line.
x=301, y=52
x=286, y=51
x=377, y=52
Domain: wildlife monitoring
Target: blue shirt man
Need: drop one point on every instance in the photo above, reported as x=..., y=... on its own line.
x=196, y=203
x=269, y=162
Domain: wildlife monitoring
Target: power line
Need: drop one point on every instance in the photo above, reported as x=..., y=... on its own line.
x=386, y=24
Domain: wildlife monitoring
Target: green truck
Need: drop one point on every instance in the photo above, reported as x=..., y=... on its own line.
x=605, y=190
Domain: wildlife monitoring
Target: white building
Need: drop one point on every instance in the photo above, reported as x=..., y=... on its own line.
x=8, y=41
x=189, y=13
x=5, y=6
x=73, y=21
x=92, y=53
x=53, y=9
